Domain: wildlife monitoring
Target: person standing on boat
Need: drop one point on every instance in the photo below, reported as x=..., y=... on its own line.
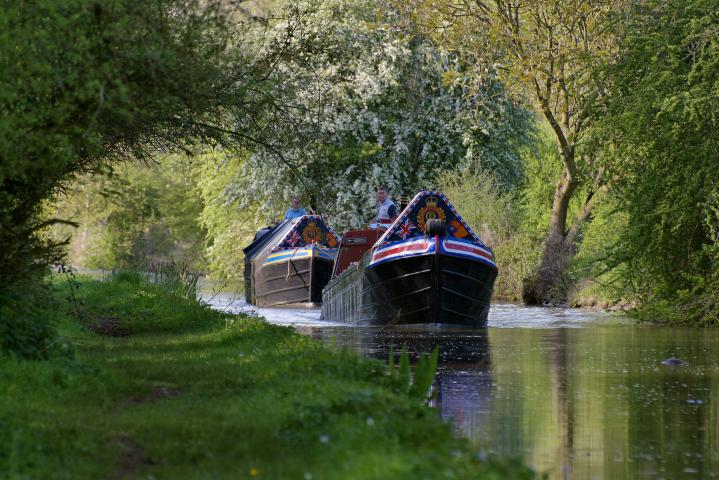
x=386, y=209
x=295, y=210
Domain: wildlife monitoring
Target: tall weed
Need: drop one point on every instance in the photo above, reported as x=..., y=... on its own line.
x=420, y=386
x=177, y=278
x=163, y=300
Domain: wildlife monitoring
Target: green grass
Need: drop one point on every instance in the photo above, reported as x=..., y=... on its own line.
x=193, y=393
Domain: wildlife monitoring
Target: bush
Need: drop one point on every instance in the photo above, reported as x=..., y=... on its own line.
x=657, y=137
x=27, y=322
x=696, y=306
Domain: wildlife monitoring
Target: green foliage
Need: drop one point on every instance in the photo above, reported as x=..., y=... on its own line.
x=659, y=140
x=229, y=221
x=173, y=405
x=479, y=197
x=695, y=306
x=176, y=210
x=424, y=372
x=599, y=280
x=517, y=258
x=136, y=216
x=542, y=166
x=375, y=106
x=28, y=315
x=404, y=371
x=85, y=83
x=161, y=301
x=424, y=375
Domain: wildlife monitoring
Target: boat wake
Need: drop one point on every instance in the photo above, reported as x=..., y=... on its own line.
x=501, y=315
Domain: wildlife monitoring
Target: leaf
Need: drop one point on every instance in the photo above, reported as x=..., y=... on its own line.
x=404, y=366
x=424, y=375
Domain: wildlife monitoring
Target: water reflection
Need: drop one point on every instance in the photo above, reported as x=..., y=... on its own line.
x=464, y=378
x=593, y=402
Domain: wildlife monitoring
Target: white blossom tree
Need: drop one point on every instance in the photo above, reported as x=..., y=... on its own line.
x=373, y=106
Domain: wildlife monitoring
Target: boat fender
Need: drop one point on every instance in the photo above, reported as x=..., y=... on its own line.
x=435, y=227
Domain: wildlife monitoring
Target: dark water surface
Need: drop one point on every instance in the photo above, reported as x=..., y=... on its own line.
x=576, y=394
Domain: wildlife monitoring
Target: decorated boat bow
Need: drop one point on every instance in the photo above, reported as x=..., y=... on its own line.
x=427, y=267
x=408, y=235
x=290, y=263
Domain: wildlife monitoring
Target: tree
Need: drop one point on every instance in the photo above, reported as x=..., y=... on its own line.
x=659, y=142
x=546, y=51
x=86, y=84
x=136, y=216
x=375, y=106
x=230, y=224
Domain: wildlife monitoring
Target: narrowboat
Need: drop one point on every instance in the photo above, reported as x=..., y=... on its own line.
x=290, y=263
x=428, y=267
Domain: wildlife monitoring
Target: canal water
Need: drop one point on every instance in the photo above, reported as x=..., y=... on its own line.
x=576, y=394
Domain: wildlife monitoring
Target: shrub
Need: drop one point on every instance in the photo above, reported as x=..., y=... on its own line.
x=27, y=322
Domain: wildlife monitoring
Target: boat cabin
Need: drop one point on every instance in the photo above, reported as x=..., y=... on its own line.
x=290, y=263
x=355, y=243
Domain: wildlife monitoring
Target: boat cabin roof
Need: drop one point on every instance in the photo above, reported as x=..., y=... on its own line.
x=290, y=234
x=262, y=237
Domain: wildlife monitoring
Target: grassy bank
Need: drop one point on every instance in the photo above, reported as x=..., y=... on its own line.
x=187, y=392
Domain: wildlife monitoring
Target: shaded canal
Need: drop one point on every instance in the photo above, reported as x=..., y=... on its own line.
x=576, y=394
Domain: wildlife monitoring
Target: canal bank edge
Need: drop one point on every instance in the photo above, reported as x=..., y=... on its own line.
x=189, y=392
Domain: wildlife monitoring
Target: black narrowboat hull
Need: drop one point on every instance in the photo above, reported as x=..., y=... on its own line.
x=429, y=289
x=295, y=281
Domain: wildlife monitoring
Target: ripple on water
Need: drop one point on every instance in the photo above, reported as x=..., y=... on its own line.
x=501, y=315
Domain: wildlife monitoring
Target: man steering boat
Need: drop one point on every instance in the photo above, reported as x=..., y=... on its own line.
x=386, y=209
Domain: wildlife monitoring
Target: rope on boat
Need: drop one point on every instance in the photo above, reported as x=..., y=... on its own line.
x=289, y=262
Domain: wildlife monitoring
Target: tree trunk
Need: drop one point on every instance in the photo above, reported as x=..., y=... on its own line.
x=547, y=286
